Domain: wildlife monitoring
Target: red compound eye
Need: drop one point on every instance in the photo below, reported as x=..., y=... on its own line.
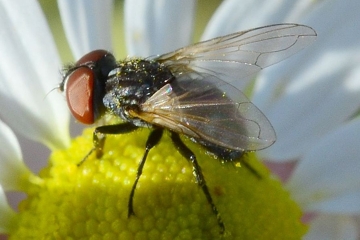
x=84, y=85
x=93, y=56
x=80, y=93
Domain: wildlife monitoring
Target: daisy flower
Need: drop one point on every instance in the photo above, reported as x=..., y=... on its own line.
x=90, y=201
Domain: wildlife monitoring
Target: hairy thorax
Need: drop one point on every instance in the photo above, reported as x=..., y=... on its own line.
x=131, y=84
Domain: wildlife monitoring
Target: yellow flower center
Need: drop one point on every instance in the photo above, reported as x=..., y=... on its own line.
x=91, y=201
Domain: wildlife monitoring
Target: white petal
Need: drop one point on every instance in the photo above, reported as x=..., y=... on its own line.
x=87, y=24
x=332, y=227
x=316, y=90
x=7, y=214
x=327, y=178
x=12, y=167
x=155, y=27
x=234, y=15
x=345, y=203
x=29, y=70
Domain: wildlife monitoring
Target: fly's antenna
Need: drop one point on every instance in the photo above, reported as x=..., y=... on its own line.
x=60, y=86
x=51, y=90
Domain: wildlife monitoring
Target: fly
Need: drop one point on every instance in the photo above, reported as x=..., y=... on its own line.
x=186, y=92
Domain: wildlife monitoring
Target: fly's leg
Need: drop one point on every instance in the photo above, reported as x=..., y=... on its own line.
x=99, y=137
x=227, y=155
x=152, y=141
x=250, y=168
x=188, y=154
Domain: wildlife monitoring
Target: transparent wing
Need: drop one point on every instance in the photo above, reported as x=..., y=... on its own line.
x=240, y=54
x=202, y=104
x=222, y=116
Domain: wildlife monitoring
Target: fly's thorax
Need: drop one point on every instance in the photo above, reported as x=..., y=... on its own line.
x=132, y=83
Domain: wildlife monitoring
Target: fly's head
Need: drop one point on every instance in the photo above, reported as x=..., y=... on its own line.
x=84, y=85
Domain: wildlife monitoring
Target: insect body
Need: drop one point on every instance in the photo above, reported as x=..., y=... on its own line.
x=187, y=92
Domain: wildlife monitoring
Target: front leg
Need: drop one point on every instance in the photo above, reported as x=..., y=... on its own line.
x=99, y=136
x=151, y=142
